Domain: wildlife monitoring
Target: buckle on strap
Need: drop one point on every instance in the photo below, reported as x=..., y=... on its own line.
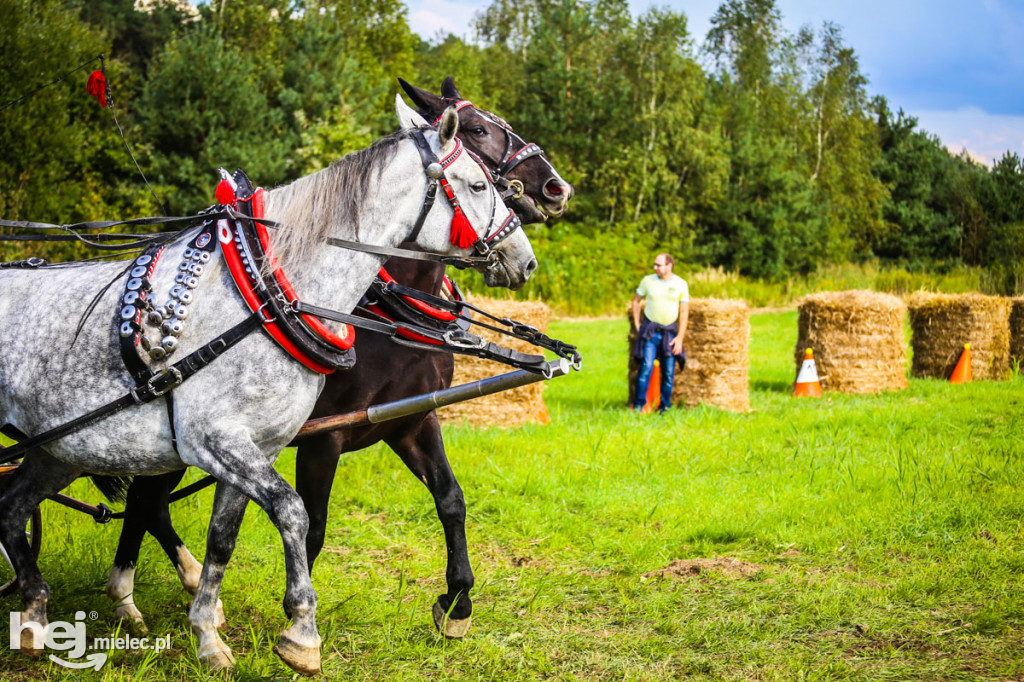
x=460, y=339
x=160, y=383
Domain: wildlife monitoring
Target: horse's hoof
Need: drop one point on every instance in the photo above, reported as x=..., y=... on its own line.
x=133, y=621
x=217, y=656
x=304, y=660
x=137, y=627
x=28, y=642
x=450, y=627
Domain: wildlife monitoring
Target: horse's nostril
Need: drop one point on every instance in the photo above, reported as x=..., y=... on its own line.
x=531, y=266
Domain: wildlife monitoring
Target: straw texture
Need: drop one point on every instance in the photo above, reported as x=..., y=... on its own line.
x=857, y=339
x=943, y=323
x=508, y=408
x=717, y=361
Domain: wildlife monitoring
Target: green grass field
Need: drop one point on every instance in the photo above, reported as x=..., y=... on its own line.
x=855, y=537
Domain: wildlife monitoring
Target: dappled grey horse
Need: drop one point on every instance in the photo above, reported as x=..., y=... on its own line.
x=232, y=418
x=417, y=438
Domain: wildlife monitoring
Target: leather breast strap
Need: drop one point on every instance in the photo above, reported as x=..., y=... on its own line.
x=317, y=347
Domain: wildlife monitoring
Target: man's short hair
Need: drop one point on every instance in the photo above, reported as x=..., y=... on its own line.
x=668, y=257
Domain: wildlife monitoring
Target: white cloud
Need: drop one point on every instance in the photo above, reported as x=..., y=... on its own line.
x=986, y=137
x=429, y=17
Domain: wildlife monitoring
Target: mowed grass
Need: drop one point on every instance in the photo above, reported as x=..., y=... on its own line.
x=855, y=537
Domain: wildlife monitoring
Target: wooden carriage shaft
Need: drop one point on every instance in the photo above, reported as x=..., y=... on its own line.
x=430, y=401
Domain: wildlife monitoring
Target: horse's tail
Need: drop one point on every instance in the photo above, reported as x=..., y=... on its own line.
x=114, y=488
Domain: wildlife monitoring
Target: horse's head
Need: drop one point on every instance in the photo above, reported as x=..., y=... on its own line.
x=478, y=222
x=536, y=189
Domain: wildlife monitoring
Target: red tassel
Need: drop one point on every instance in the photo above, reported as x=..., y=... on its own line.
x=225, y=194
x=97, y=87
x=463, y=235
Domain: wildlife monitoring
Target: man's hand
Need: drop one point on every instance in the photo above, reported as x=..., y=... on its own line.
x=677, y=345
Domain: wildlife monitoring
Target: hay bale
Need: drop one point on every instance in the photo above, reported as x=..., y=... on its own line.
x=1017, y=330
x=508, y=408
x=857, y=339
x=943, y=323
x=717, y=363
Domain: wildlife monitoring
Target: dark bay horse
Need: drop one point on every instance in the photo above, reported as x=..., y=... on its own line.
x=374, y=380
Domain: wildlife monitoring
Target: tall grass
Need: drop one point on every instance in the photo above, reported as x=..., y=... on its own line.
x=879, y=537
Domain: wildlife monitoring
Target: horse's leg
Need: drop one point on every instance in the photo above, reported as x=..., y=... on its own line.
x=422, y=450
x=147, y=510
x=228, y=511
x=38, y=477
x=255, y=478
x=316, y=462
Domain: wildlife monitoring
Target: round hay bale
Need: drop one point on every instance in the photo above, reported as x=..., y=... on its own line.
x=1017, y=331
x=717, y=362
x=508, y=408
x=943, y=323
x=857, y=339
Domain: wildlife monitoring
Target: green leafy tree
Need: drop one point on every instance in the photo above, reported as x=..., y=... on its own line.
x=914, y=166
x=839, y=144
x=203, y=108
x=43, y=133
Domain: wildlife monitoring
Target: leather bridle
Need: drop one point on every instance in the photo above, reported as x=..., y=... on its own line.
x=516, y=151
x=434, y=169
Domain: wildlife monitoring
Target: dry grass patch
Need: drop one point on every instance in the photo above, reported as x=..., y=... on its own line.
x=690, y=568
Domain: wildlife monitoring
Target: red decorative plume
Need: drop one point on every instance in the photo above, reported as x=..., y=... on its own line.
x=97, y=87
x=225, y=193
x=463, y=235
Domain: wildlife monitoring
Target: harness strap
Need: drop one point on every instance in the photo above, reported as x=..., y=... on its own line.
x=93, y=239
x=160, y=383
x=454, y=340
x=460, y=262
x=430, y=165
x=517, y=330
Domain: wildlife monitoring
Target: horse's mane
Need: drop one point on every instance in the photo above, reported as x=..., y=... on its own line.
x=315, y=204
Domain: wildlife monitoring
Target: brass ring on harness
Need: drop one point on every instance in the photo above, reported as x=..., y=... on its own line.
x=517, y=187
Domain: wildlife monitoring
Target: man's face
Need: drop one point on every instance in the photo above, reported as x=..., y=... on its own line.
x=662, y=268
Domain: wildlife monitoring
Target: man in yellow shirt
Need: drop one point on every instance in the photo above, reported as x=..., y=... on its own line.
x=665, y=299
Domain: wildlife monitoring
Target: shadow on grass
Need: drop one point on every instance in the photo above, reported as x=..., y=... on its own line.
x=717, y=535
x=771, y=385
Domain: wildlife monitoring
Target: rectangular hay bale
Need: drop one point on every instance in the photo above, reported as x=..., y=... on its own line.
x=507, y=408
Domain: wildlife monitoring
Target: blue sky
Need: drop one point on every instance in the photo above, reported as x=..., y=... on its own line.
x=957, y=66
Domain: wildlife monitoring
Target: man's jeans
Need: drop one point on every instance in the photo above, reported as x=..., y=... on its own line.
x=668, y=370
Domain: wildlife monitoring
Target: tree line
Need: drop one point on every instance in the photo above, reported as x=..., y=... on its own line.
x=762, y=151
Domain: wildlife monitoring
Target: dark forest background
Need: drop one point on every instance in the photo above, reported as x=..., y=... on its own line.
x=763, y=154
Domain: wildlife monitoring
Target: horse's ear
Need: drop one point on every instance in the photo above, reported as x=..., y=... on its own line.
x=407, y=116
x=449, y=127
x=449, y=90
x=427, y=102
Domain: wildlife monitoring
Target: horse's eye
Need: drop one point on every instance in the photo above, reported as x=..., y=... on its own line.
x=479, y=130
x=478, y=186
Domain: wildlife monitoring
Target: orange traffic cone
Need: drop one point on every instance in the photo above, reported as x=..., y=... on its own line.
x=962, y=372
x=807, y=385
x=653, y=390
